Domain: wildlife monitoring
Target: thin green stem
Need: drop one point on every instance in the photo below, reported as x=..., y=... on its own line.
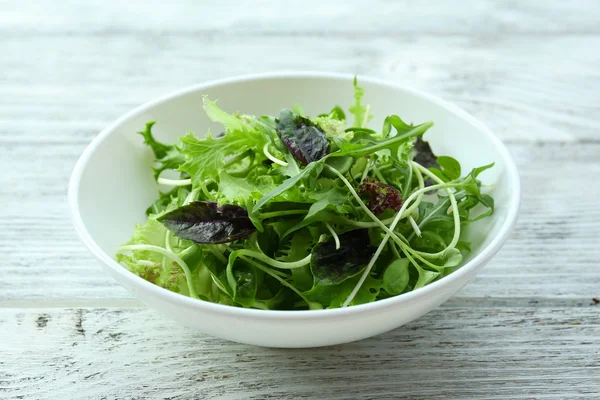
x=418, y=130
x=272, y=262
x=217, y=254
x=402, y=211
x=389, y=233
x=367, y=270
x=274, y=214
x=366, y=171
x=174, y=182
x=272, y=157
x=394, y=249
x=335, y=236
x=168, y=241
x=378, y=174
x=454, y=204
x=415, y=205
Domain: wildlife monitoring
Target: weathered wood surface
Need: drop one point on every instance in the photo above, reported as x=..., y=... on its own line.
x=453, y=352
x=527, y=327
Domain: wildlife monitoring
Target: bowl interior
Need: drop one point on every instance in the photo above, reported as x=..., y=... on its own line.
x=116, y=184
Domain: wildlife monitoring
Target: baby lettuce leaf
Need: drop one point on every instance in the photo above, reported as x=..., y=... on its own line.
x=331, y=266
x=305, y=140
x=360, y=112
x=336, y=113
x=205, y=158
x=205, y=222
x=229, y=121
x=167, y=156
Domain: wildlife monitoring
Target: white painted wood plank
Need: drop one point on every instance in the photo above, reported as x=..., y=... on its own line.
x=552, y=254
x=523, y=87
x=453, y=352
x=310, y=16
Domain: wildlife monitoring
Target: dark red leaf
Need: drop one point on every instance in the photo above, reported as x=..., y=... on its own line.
x=380, y=196
x=306, y=141
x=205, y=222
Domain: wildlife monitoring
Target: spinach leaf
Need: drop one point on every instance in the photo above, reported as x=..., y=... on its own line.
x=330, y=266
x=396, y=276
x=450, y=167
x=333, y=296
x=206, y=222
x=302, y=137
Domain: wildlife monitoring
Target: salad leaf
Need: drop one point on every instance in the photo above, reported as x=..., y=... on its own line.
x=207, y=158
x=381, y=197
x=167, y=156
x=331, y=265
x=207, y=222
x=336, y=113
x=423, y=154
x=228, y=121
x=303, y=139
x=360, y=112
x=333, y=296
x=396, y=276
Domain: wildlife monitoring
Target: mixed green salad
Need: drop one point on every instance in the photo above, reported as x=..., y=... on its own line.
x=295, y=212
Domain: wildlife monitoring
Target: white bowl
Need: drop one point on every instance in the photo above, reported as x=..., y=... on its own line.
x=112, y=185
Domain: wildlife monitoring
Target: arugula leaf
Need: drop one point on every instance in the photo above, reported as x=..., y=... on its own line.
x=285, y=185
x=393, y=144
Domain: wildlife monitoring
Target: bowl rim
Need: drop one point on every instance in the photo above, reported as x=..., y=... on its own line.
x=177, y=299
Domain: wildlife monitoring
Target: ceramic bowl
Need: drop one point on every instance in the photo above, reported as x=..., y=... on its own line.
x=112, y=185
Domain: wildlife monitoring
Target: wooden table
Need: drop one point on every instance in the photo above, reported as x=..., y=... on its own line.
x=527, y=327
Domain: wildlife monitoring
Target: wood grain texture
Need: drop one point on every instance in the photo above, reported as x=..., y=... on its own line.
x=51, y=95
x=453, y=352
x=309, y=17
x=526, y=328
